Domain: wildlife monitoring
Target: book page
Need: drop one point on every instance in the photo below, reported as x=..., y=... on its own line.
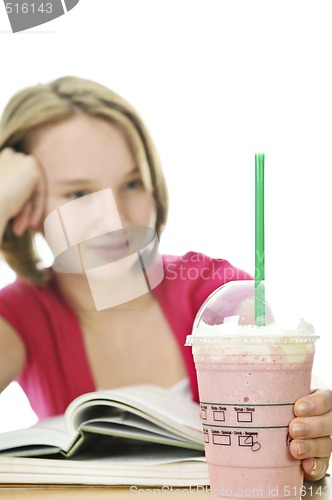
x=129, y=463
x=143, y=409
x=154, y=403
x=49, y=435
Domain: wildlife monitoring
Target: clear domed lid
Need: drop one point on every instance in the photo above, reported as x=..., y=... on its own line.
x=241, y=311
x=233, y=303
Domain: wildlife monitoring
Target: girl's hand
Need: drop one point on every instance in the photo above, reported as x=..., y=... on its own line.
x=22, y=190
x=311, y=429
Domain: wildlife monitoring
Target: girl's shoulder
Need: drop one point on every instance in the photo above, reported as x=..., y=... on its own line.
x=22, y=302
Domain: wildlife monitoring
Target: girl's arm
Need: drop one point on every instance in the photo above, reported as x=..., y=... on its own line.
x=12, y=354
x=21, y=191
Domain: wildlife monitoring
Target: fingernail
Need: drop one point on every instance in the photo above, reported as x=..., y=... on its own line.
x=314, y=471
x=302, y=448
x=303, y=409
x=319, y=468
x=300, y=429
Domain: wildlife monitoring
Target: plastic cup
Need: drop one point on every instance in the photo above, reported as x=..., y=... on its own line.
x=249, y=378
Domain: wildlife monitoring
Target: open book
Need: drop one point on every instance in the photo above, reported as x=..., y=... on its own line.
x=140, y=434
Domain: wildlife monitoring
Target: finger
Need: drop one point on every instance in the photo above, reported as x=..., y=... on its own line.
x=315, y=468
x=311, y=427
x=7, y=152
x=21, y=221
x=309, y=448
x=38, y=205
x=316, y=403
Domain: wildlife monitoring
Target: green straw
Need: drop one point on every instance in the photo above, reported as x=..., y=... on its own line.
x=259, y=241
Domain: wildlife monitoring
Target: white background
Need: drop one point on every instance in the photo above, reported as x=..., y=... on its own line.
x=216, y=82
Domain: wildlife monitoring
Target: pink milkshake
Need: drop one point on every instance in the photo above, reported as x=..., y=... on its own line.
x=249, y=378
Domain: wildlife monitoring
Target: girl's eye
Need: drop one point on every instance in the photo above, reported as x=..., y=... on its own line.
x=76, y=194
x=134, y=184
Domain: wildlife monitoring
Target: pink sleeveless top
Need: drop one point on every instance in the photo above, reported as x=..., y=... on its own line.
x=57, y=369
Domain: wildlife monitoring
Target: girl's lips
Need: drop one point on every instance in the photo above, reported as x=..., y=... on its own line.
x=111, y=247
x=104, y=249
x=111, y=250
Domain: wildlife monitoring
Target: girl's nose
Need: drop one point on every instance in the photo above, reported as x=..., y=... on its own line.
x=121, y=211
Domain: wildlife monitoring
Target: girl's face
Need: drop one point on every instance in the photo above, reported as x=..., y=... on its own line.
x=85, y=155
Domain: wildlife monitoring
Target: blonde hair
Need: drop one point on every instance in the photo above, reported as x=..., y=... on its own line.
x=44, y=104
